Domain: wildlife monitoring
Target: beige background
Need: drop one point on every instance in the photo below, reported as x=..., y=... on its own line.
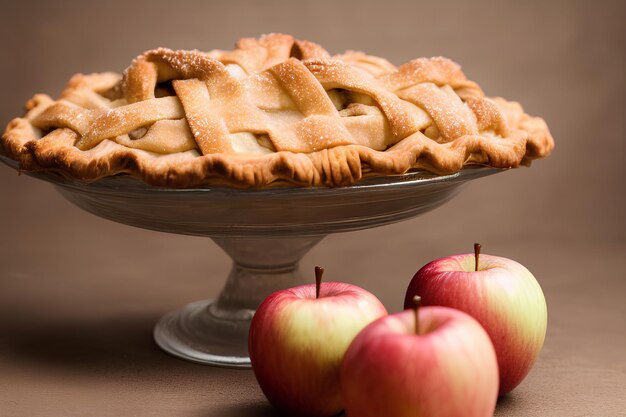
x=79, y=295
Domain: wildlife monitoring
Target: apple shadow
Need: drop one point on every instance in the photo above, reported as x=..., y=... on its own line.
x=506, y=404
x=252, y=409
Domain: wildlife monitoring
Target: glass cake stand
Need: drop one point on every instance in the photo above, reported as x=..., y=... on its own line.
x=265, y=232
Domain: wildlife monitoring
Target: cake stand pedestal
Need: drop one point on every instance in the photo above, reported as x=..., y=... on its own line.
x=265, y=232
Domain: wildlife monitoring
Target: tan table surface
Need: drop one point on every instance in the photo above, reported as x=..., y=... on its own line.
x=79, y=295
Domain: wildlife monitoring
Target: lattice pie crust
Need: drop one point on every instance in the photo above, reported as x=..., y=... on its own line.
x=273, y=111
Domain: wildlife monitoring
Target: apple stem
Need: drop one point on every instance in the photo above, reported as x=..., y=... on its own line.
x=319, y=271
x=417, y=301
x=476, y=254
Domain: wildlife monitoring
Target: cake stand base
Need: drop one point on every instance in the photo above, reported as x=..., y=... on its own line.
x=190, y=334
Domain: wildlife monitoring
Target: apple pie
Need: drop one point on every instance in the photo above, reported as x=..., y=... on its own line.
x=274, y=110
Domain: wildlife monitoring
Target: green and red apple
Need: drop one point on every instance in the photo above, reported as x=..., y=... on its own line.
x=298, y=338
x=501, y=294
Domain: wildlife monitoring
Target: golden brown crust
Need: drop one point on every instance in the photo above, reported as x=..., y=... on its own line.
x=272, y=110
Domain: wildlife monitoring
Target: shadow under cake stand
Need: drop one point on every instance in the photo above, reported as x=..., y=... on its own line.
x=265, y=232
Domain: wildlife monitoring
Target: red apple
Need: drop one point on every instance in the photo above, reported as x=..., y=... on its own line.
x=501, y=294
x=446, y=367
x=298, y=338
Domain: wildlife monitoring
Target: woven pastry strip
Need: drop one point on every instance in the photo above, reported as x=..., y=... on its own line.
x=275, y=110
